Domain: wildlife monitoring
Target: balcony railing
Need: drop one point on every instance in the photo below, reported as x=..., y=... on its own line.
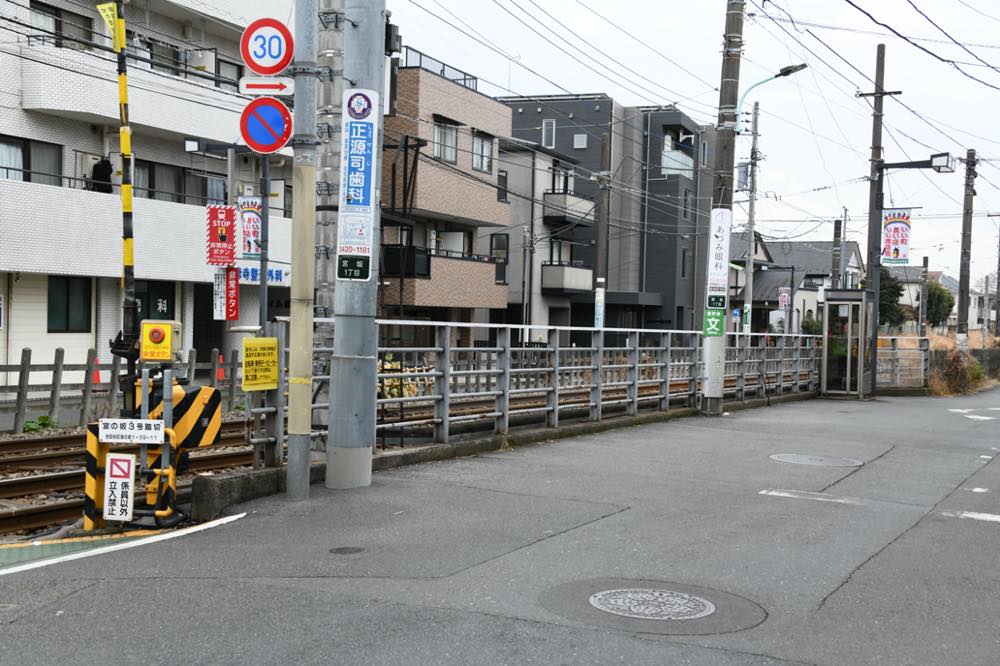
x=414, y=261
x=561, y=206
x=676, y=163
x=562, y=278
x=73, y=182
x=414, y=58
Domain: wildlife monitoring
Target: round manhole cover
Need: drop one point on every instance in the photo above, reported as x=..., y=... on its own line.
x=347, y=550
x=649, y=604
x=652, y=606
x=819, y=461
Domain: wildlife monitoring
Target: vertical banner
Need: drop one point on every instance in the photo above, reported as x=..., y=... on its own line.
x=359, y=159
x=896, y=236
x=717, y=284
x=221, y=235
x=219, y=281
x=250, y=220
x=232, y=293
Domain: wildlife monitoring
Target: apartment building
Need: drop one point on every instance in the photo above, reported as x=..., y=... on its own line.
x=60, y=214
x=659, y=162
x=442, y=188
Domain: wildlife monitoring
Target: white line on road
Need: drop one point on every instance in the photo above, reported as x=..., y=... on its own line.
x=987, y=457
x=101, y=550
x=977, y=417
x=977, y=490
x=972, y=515
x=803, y=494
x=961, y=411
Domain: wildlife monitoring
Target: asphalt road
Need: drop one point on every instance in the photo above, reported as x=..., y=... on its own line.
x=500, y=558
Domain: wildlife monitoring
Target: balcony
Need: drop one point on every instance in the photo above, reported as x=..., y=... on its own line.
x=75, y=84
x=45, y=228
x=567, y=208
x=441, y=279
x=676, y=163
x=563, y=279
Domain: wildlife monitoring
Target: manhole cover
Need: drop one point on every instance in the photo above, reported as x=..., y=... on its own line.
x=347, y=550
x=649, y=604
x=820, y=461
x=630, y=604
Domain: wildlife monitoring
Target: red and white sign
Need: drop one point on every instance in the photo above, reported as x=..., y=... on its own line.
x=232, y=293
x=119, y=486
x=266, y=125
x=267, y=46
x=267, y=85
x=221, y=235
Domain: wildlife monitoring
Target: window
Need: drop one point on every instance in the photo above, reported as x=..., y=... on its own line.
x=482, y=152
x=77, y=29
x=579, y=141
x=159, y=181
x=499, y=247
x=561, y=178
x=32, y=161
x=704, y=153
x=166, y=58
x=202, y=189
x=548, y=133
x=68, y=304
x=231, y=71
x=445, y=141
x=155, y=299
x=139, y=50
x=288, y=201
x=684, y=262
x=555, y=250
x=687, y=204
x=501, y=185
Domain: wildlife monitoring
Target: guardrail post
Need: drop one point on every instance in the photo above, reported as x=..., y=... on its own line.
x=693, y=370
x=632, y=390
x=274, y=451
x=192, y=363
x=741, y=367
x=442, y=382
x=214, y=381
x=665, y=370
x=57, y=373
x=798, y=363
x=597, y=375
x=896, y=370
x=22, y=391
x=553, y=402
x=234, y=357
x=502, y=421
x=925, y=360
x=88, y=386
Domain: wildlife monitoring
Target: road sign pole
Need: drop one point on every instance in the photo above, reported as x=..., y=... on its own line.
x=265, y=212
x=300, y=356
x=355, y=340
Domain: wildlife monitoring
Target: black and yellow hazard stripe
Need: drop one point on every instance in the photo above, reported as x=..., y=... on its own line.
x=197, y=416
x=93, y=484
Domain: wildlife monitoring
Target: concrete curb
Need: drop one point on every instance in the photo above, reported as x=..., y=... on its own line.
x=212, y=495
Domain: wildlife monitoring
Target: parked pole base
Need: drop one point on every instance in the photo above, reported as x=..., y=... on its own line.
x=349, y=468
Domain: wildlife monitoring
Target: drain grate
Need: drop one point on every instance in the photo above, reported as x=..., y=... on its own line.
x=650, y=604
x=819, y=461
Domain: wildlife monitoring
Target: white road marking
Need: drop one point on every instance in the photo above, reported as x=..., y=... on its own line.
x=977, y=417
x=961, y=411
x=987, y=457
x=972, y=515
x=818, y=497
x=101, y=550
x=995, y=409
x=977, y=490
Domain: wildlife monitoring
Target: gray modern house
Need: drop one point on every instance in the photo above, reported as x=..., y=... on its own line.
x=660, y=168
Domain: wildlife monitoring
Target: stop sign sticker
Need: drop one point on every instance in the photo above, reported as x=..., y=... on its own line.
x=266, y=125
x=267, y=47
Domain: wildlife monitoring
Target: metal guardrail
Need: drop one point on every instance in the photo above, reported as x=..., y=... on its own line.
x=903, y=362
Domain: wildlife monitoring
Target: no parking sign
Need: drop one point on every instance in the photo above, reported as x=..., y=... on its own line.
x=266, y=125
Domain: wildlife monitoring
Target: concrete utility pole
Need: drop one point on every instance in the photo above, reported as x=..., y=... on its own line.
x=331, y=90
x=875, y=210
x=603, y=202
x=963, y=271
x=986, y=310
x=355, y=345
x=842, y=269
x=300, y=353
x=265, y=225
x=722, y=194
x=923, y=299
x=751, y=234
x=838, y=229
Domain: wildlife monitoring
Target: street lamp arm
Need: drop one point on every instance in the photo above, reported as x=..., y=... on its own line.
x=743, y=97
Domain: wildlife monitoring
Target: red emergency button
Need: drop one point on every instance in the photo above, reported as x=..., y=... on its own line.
x=156, y=335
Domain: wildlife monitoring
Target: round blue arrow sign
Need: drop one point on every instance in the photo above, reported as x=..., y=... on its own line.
x=266, y=125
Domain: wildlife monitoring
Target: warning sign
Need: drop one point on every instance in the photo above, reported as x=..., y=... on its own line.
x=119, y=486
x=221, y=239
x=260, y=364
x=130, y=431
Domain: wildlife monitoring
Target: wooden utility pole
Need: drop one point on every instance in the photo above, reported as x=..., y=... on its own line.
x=962, y=329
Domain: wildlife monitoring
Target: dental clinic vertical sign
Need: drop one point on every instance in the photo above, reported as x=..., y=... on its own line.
x=359, y=172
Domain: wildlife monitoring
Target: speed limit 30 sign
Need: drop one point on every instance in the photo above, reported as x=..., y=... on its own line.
x=267, y=47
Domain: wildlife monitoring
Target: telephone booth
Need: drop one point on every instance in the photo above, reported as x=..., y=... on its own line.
x=846, y=361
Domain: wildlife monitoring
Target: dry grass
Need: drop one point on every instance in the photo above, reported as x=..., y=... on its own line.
x=947, y=342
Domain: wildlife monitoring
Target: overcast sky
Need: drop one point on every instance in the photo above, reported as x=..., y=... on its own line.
x=815, y=133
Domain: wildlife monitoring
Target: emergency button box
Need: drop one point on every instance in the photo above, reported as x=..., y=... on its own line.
x=160, y=341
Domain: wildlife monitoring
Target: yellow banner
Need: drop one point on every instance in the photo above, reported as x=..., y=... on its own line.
x=260, y=364
x=109, y=12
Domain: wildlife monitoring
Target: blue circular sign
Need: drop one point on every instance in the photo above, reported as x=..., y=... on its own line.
x=266, y=125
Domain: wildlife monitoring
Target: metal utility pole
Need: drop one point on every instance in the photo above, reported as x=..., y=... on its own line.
x=923, y=299
x=300, y=353
x=838, y=229
x=722, y=196
x=963, y=271
x=355, y=344
x=751, y=234
x=331, y=90
x=875, y=210
x=265, y=225
x=603, y=203
x=986, y=310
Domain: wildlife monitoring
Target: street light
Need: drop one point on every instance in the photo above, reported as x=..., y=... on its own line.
x=940, y=162
x=788, y=70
